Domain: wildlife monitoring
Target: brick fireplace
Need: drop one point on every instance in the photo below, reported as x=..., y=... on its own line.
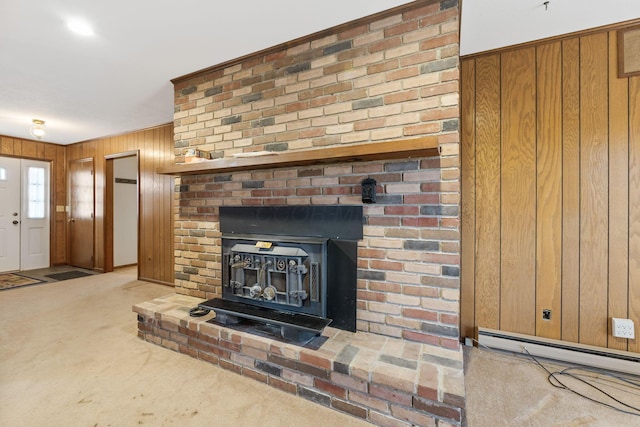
x=389, y=78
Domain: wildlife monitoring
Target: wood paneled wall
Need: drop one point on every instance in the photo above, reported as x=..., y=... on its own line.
x=550, y=158
x=155, y=147
x=56, y=154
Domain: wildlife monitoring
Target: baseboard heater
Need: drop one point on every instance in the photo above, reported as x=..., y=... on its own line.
x=597, y=357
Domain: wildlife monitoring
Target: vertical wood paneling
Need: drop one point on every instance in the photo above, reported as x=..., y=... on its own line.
x=570, y=190
x=28, y=149
x=487, y=255
x=634, y=209
x=158, y=242
x=167, y=188
x=156, y=227
x=518, y=191
x=145, y=191
x=584, y=177
x=593, y=189
x=549, y=190
x=618, y=193
x=146, y=239
x=468, y=224
x=6, y=146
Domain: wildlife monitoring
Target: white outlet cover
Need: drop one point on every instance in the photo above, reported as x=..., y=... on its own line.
x=622, y=328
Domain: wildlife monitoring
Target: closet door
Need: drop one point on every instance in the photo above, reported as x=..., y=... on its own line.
x=81, y=213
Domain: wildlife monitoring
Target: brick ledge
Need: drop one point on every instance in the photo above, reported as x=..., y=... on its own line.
x=384, y=380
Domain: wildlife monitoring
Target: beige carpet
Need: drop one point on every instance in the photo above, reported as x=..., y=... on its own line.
x=70, y=356
x=511, y=390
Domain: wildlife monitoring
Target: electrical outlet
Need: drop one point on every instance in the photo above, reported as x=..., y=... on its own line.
x=622, y=328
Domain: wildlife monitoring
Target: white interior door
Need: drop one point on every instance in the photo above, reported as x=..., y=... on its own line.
x=35, y=227
x=9, y=214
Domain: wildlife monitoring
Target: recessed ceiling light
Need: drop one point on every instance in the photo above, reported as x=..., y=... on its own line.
x=80, y=27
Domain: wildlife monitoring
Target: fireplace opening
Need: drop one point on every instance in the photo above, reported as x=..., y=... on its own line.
x=292, y=269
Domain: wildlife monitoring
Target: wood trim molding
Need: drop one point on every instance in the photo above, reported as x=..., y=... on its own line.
x=108, y=215
x=419, y=147
x=123, y=154
x=610, y=27
x=314, y=36
x=124, y=133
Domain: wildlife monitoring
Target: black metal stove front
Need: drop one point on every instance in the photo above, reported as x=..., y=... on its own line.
x=297, y=275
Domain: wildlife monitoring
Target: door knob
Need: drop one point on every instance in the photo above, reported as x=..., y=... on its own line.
x=16, y=222
x=72, y=220
x=15, y=214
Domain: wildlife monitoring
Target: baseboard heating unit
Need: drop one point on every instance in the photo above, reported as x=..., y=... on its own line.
x=597, y=357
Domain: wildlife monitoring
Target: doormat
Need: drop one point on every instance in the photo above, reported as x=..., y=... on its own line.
x=12, y=280
x=66, y=275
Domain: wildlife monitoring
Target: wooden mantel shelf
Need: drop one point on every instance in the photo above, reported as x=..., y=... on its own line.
x=400, y=149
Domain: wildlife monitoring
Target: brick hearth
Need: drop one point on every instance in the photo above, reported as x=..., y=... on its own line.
x=387, y=381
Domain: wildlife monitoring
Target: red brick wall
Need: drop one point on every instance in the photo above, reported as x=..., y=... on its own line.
x=390, y=79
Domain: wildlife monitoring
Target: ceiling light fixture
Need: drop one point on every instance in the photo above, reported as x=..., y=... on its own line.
x=37, y=129
x=80, y=27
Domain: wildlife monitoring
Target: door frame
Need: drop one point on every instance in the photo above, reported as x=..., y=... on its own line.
x=108, y=207
x=52, y=205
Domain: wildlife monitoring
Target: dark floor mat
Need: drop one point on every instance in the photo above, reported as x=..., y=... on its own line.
x=66, y=275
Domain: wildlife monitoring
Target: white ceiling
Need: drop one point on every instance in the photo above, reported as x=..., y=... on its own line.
x=490, y=24
x=119, y=80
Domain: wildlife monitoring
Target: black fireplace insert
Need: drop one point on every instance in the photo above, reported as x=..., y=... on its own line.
x=291, y=267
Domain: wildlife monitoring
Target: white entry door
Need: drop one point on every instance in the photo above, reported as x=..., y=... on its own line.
x=9, y=214
x=24, y=214
x=35, y=227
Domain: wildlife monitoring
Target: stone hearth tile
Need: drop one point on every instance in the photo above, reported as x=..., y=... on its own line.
x=363, y=363
x=341, y=336
x=452, y=381
x=367, y=340
x=257, y=342
x=416, y=418
x=347, y=354
x=441, y=352
x=349, y=382
x=412, y=350
x=315, y=359
x=285, y=350
x=428, y=381
x=384, y=420
x=442, y=361
x=330, y=332
x=146, y=309
x=209, y=329
x=398, y=361
x=394, y=377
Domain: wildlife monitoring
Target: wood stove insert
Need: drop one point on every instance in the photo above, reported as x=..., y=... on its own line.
x=291, y=268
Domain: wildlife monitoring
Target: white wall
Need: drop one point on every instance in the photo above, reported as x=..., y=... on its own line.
x=491, y=24
x=125, y=212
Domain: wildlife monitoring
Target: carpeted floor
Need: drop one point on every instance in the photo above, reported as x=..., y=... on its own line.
x=74, y=359
x=504, y=389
